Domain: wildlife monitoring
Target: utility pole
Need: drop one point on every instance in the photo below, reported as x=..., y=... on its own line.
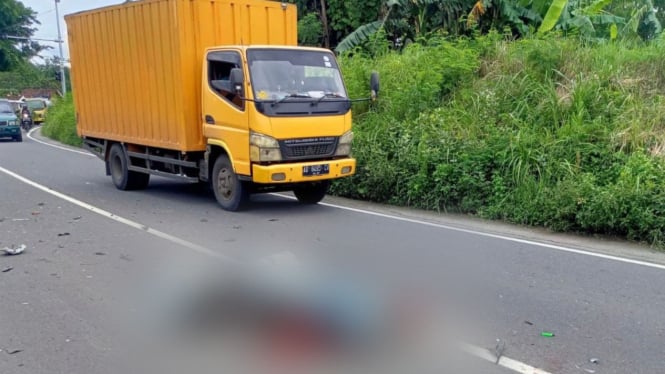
x=62, y=58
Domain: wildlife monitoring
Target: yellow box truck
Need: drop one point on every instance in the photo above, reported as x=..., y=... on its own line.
x=213, y=91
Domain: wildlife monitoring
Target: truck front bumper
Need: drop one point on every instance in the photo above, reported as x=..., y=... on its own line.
x=295, y=172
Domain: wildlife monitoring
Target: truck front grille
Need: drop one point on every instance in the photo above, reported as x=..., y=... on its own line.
x=308, y=148
x=3, y=123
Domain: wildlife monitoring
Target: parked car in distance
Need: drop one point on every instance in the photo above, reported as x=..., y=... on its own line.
x=38, y=108
x=9, y=124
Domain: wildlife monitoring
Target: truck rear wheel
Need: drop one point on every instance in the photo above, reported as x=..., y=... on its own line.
x=122, y=177
x=230, y=192
x=311, y=193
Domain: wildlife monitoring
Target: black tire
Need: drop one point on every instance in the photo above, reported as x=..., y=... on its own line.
x=122, y=177
x=19, y=138
x=231, y=193
x=311, y=193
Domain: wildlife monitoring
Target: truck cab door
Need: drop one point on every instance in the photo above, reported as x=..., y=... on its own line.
x=225, y=118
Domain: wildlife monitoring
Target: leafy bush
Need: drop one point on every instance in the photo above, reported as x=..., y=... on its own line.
x=549, y=132
x=310, y=30
x=61, y=122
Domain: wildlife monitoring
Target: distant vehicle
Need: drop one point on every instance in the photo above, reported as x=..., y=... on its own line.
x=26, y=118
x=9, y=124
x=38, y=108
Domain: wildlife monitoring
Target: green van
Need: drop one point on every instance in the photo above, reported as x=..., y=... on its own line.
x=10, y=127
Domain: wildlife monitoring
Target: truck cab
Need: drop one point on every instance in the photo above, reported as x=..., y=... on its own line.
x=283, y=117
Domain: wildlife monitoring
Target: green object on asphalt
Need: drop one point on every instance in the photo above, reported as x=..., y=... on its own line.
x=547, y=334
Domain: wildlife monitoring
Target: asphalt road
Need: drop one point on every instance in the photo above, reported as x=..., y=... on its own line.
x=61, y=300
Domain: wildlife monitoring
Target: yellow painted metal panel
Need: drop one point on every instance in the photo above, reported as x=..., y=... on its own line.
x=136, y=67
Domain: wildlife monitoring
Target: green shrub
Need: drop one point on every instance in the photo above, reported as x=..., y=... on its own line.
x=61, y=122
x=541, y=132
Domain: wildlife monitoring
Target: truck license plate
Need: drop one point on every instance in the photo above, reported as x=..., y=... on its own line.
x=311, y=170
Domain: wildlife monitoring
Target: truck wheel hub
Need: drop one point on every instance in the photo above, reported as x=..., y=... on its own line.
x=225, y=183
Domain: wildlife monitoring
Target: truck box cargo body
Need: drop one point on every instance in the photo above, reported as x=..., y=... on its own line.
x=210, y=90
x=138, y=65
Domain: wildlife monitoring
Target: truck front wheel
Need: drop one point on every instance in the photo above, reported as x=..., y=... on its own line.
x=122, y=177
x=230, y=192
x=311, y=193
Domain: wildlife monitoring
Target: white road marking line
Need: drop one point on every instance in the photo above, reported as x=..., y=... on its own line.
x=475, y=351
x=128, y=222
x=488, y=235
x=55, y=145
x=505, y=362
x=441, y=226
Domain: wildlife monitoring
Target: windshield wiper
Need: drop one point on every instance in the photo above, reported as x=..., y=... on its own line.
x=291, y=95
x=327, y=94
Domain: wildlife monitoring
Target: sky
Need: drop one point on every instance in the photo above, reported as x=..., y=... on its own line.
x=46, y=15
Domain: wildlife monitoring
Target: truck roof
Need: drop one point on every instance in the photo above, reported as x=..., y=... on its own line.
x=269, y=46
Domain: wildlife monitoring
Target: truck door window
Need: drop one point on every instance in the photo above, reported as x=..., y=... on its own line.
x=219, y=72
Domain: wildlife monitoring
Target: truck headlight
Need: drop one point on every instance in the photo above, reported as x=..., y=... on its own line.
x=263, y=148
x=344, y=144
x=12, y=123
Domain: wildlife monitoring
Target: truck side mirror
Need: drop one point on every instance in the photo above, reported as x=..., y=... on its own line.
x=374, y=85
x=237, y=80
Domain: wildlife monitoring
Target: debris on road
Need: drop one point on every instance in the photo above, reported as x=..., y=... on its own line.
x=15, y=351
x=35, y=213
x=20, y=219
x=236, y=227
x=273, y=220
x=100, y=254
x=204, y=220
x=127, y=258
x=7, y=269
x=11, y=251
x=77, y=218
x=529, y=323
x=64, y=234
x=547, y=334
x=594, y=361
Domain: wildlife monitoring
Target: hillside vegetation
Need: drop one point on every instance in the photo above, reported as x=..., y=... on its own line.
x=61, y=122
x=549, y=132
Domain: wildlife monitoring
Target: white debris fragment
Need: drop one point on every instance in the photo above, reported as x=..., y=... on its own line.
x=11, y=251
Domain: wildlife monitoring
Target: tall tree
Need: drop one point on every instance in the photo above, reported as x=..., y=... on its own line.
x=16, y=20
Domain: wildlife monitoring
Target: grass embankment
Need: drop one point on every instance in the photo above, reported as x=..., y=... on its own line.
x=540, y=132
x=61, y=122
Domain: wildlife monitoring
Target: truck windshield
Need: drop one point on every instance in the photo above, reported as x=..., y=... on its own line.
x=36, y=104
x=286, y=74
